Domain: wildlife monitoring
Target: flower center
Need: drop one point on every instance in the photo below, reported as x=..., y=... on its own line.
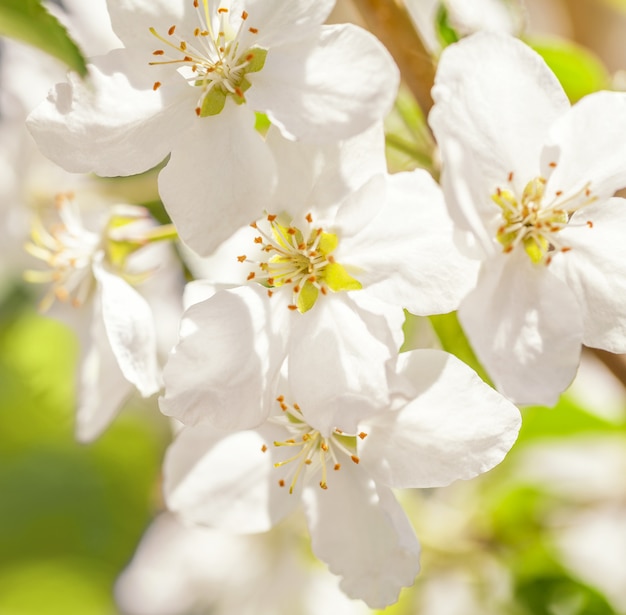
x=214, y=60
x=301, y=260
x=317, y=452
x=535, y=219
x=69, y=249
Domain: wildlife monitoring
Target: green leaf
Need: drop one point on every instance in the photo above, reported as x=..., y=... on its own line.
x=445, y=32
x=28, y=21
x=578, y=69
x=567, y=418
x=454, y=341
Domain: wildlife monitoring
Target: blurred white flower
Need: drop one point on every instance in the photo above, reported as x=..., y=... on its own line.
x=180, y=569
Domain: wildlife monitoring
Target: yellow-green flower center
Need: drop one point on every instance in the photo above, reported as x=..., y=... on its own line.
x=301, y=260
x=216, y=62
x=534, y=220
x=316, y=452
x=59, y=239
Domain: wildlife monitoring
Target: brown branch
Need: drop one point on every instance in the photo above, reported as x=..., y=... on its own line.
x=615, y=363
x=392, y=25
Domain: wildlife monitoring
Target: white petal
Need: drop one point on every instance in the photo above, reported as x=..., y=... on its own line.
x=589, y=145
x=219, y=177
x=454, y=427
x=338, y=363
x=281, y=22
x=130, y=329
x=594, y=271
x=221, y=371
x=499, y=98
x=113, y=123
x=103, y=388
x=406, y=254
x=314, y=177
x=475, y=215
x=131, y=19
x=362, y=533
x=225, y=480
x=327, y=87
x=526, y=328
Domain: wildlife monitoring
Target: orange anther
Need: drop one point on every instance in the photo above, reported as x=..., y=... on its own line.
x=263, y=448
x=158, y=52
x=171, y=30
x=244, y=15
x=242, y=258
x=253, y=30
x=309, y=218
x=552, y=164
x=251, y=276
x=156, y=86
x=355, y=458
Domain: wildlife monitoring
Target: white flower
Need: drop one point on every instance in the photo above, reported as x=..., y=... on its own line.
x=96, y=270
x=443, y=424
x=187, y=84
x=180, y=569
x=338, y=271
x=528, y=180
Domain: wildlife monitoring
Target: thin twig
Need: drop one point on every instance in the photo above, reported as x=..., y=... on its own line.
x=392, y=25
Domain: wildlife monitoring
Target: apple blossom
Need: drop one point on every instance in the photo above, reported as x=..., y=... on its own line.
x=528, y=181
x=187, y=84
x=442, y=424
x=98, y=269
x=332, y=274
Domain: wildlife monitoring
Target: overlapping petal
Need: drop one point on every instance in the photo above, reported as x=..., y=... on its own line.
x=113, y=124
x=453, y=427
x=224, y=369
x=594, y=271
x=240, y=164
x=326, y=87
x=501, y=110
x=222, y=479
x=130, y=330
x=361, y=532
x=525, y=325
x=588, y=145
x=406, y=255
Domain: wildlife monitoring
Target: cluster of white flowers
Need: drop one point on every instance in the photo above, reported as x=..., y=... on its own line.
x=286, y=381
